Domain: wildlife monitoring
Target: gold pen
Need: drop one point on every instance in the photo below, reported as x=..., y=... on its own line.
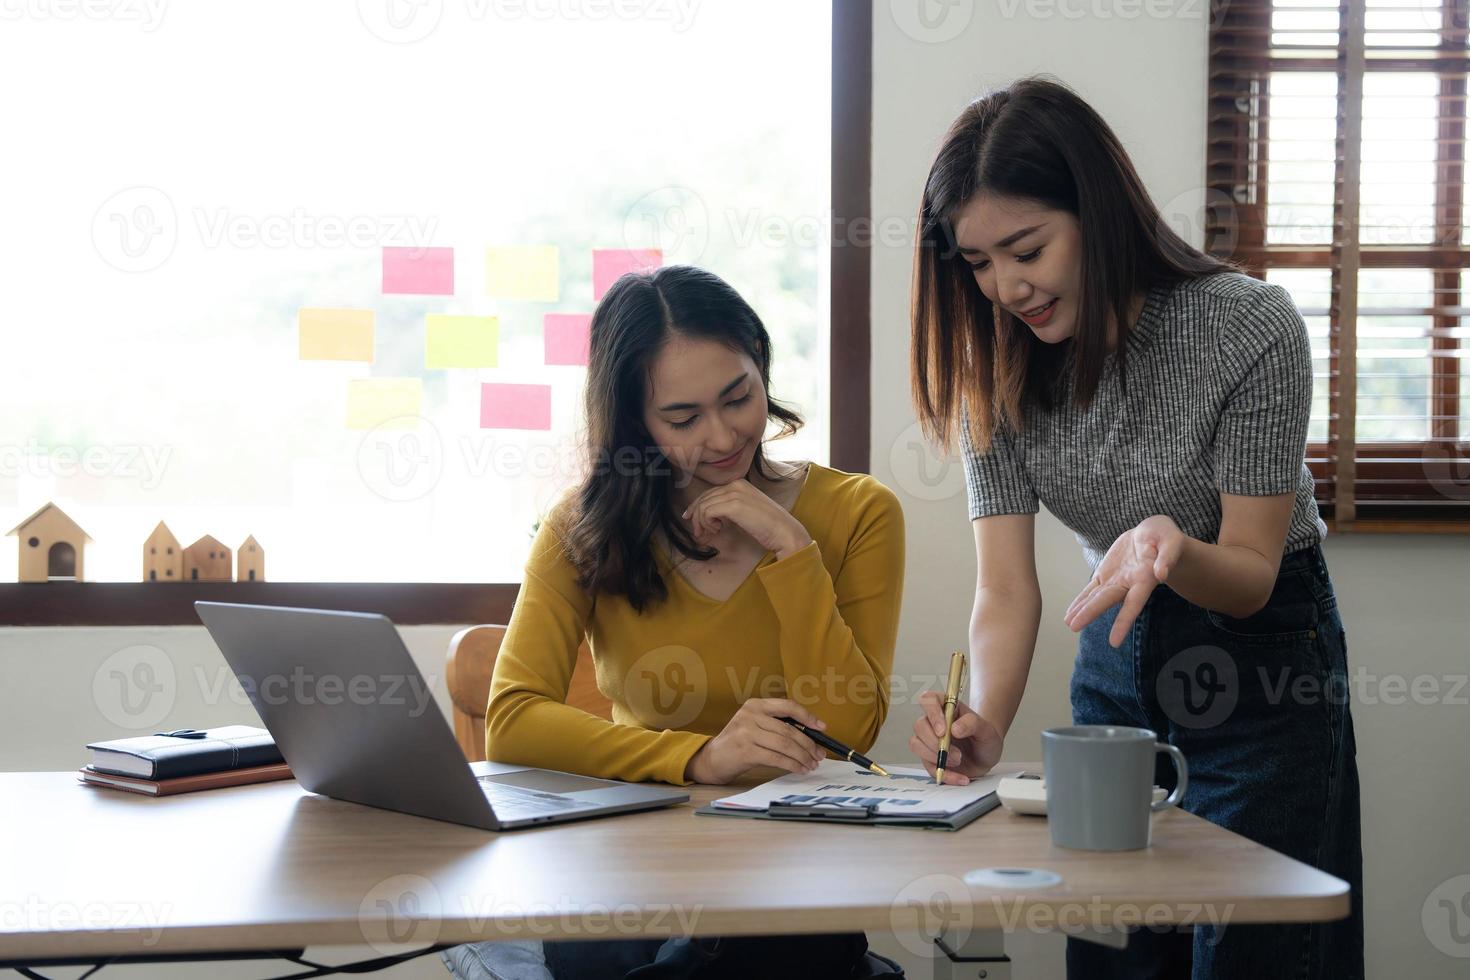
x=951, y=692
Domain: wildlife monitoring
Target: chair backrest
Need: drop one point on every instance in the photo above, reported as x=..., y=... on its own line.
x=471, y=663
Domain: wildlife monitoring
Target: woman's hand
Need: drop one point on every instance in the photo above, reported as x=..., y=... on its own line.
x=1140, y=559
x=771, y=525
x=974, y=743
x=756, y=736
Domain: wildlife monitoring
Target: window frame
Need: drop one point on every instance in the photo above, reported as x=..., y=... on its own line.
x=420, y=603
x=1238, y=172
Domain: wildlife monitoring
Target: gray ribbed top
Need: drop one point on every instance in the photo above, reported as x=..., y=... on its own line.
x=1219, y=376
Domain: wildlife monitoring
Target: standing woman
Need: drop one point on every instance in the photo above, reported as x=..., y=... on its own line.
x=1156, y=400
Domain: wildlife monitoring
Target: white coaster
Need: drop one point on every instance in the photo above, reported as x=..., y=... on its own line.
x=1012, y=878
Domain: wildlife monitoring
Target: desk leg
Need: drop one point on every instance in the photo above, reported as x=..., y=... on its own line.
x=981, y=955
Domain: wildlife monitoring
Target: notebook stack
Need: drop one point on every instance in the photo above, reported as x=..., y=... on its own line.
x=186, y=760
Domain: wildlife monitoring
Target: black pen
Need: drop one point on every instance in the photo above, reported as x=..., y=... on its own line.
x=837, y=748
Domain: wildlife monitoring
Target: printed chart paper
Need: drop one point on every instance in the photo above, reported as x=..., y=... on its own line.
x=909, y=792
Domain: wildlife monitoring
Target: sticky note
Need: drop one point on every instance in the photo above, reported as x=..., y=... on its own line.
x=527, y=272
x=610, y=263
x=461, y=341
x=567, y=336
x=418, y=271
x=505, y=406
x=393, y=403
x=335, y=335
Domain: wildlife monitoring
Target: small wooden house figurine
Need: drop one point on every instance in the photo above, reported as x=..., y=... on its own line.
x=51, y=546
x=163, y=558
x=250, y=561
x=206, y=560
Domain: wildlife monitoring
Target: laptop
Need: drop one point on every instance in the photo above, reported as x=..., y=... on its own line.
x=356, y=721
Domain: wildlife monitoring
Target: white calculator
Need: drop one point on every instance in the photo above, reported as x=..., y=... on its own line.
x=1025, y=792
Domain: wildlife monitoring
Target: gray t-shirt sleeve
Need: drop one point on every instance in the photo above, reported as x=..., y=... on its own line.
x=1266, y=357
x=995, y=481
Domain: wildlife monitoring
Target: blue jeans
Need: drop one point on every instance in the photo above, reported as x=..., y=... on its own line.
x=1259, y=707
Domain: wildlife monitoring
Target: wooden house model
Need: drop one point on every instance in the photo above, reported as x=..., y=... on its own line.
x=206, y=560
x=163, y=557
x=250, y=561
x=52, y=546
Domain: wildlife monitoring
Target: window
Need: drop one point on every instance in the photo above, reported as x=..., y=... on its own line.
x=1336, y=161
x=195, y=184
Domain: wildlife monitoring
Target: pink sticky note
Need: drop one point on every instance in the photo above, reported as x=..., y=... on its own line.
x=567, y=336
x=610, y=263
x=418, y=271
x=504, y=406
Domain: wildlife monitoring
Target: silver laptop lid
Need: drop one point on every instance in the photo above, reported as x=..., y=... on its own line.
x=348, y=708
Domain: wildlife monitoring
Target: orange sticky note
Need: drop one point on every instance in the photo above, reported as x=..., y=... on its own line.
x=567, y=337
x=335, y=335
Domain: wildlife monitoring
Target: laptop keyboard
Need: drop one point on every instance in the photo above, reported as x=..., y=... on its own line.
x=513, y=801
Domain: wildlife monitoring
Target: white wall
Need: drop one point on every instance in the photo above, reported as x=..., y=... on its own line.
x=1404, y=598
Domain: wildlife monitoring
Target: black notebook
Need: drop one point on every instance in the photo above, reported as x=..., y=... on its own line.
x=186, y=752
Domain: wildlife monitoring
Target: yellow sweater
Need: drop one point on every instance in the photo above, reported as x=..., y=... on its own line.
x=818, y=626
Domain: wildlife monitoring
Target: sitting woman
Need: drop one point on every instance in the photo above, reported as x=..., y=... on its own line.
x=718, y=590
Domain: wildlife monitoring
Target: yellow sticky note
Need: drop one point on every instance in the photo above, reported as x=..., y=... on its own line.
x=526, y=272
x=461, y=341
x=336, y=335
x=393, y=403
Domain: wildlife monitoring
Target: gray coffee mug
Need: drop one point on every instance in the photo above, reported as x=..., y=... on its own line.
x=1099, y=785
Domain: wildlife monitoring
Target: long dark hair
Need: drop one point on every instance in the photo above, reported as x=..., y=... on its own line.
x=627, y=495
x=1035, y=140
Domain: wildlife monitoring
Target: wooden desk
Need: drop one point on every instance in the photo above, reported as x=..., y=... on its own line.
x=85, y=870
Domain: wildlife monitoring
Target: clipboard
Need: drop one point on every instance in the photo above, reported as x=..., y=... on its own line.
x=858, y=815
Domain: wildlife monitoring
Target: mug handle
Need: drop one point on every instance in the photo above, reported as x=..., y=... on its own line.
x=1182, y=768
